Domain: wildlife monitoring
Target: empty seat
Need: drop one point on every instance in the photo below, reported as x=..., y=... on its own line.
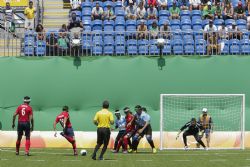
x=201, y=47
x=97, y=25
x=234, y=45
x=245, y=46
x=132, y=47
x=177, y=46
x=153, y=49
x=189, y=46
x=143, y=47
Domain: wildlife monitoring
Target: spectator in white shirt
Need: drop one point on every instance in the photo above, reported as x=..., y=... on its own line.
x=141, y=11
x=209, y=29
x=162, y=4
x=152, y=12
x=97, y=12
x=131, y=11
x=75, y=4
x=195, y=4
x=223, y=31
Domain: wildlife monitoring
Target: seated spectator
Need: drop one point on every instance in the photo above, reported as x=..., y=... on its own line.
x=228, y=12
x=142, y=31
x=208, y=11
x=225, y=2
x=40, y=32
x=209, y=29
x=152, y=2
x=141, y=11
x=75, y=5
x=131, y=11
x=248, y=6
x=152, y=12
x=140, y=1
x=248, y=23
x=63, y=44
x=174, y=11
x=194, y=5
x=74, y=22
x=183, y=4
x=239, y=11
x=63, y=28
x=223, y=31
x=51, y=44
x=75, y=44
x=218, y=11
x=97, y=12
x=165, y=31
x=154, y=30
x=109, y=13
x=234, y=32
x=213, y=45
x=162, y=4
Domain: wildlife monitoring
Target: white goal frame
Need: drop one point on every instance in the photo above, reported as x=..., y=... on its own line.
x=242, y=146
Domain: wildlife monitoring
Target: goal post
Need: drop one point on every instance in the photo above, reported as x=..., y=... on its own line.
x=226, y=110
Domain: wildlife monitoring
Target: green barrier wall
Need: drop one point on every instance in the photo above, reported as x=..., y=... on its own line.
x=124, y=81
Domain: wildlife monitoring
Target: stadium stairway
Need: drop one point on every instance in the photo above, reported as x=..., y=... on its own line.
x=54, y=14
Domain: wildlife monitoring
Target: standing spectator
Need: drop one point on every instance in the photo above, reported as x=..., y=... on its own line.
x=109, y=13
x=131, y=11
x=208, y=12
x=97, y=12
x=174, y=11
x=152, y=12
x=218, y=11
x=154, y=30
x=103, y=119
x=248, y=6
x=152, y=2
x=40, y=32
x=213, y=45
x=63, y=44
x=162, y=4
x=141, y=11
x=8, y=17
x=165, y=31
x=74, y=22
x=75, y=5
x=223, y=31
x=194, y=5
x=228, y=11
x=142, y=30
x=239, y=11
x=248, y=23
x=29, y=13
x=234, y=32
x=51, y=45
x=209, y=29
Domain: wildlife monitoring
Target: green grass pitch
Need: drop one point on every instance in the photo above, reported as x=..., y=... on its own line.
x=144, y=158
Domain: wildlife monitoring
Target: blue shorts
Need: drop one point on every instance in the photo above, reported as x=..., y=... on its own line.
x=69, y=132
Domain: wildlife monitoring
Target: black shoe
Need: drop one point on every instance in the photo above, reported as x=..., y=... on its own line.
x=101, y=158
x=17, y=153
x=27, y=154
x=93, y=157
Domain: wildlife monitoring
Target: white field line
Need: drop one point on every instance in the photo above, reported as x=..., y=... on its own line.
x=111, y=160
x=182, y=160
x=36, y=160
x=217, y=160
x=4, y=159
x=71, y=160
x=145, y=160
x=247, y=159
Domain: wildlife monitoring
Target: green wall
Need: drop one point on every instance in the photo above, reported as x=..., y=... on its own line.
x=125, y=81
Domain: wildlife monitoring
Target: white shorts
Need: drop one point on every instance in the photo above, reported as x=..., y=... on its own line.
x=29, y=23
x=7, y=25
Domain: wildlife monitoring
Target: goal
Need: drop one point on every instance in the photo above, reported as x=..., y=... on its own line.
x=226, y=110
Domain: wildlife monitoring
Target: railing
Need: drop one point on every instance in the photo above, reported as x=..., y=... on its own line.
x=129, y=43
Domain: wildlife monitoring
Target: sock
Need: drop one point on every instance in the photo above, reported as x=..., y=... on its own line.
x=17, y=145
x=74, y=146
x=27, y=145
x=119, y=145
x=116, y=144
x=125, y=142
x=70, y=139
x=129, y=143
x=151, y=142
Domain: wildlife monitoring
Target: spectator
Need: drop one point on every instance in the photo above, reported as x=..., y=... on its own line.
x=165, y=31
x=208, y=11
x=141, y=11
x=183, y=4
x=162, y=4
x=109, y=13
x=213, y=45
x=248, y=23
x=139, y=1
x=8, y=17
x=51, y=43
x=131, y=11
x=248, y=6
x=195, y=5
x=239, y=11
x=75, y=5
x=63, y=44
x=154, y=30
x=218, y=11
x=75, y=44
x=228, y=11
x=152, y=2
x=40, y=32
x=29, y=13
x=63, y=28
x=225, y=2
x=234, y=32
x=74, y=22
x=209, y=29
x=223, y=31
x=97, y=12
x=174, y=11
x=142, y=30
x=152, y=12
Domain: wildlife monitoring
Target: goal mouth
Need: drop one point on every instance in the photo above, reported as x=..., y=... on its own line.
x=227, y=112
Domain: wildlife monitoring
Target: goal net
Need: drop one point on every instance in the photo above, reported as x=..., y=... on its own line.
x=226, y=111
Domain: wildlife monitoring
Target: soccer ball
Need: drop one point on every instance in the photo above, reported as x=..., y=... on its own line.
x=83, y=152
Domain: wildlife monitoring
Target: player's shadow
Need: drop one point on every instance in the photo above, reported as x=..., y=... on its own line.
x=77, y=62
x=1, y=125
x=161, y=62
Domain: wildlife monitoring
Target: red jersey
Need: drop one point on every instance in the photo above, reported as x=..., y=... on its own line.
x=128, y=118
x=60, y=118
x=24, y=111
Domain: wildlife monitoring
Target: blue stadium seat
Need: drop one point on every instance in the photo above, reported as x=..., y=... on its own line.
x=245, y=46
x=143, y=47
x=241, y=24
x=201, y=47
x=132, y=47
x=108, y=48
x=167, y=48
x=130, y=28
x=186, y=24
x=198, y=34
x=120, y=49
x=177, y=46
x=86, y=41
x=108, y=25
x=196, y=13
x=218, y=22
x=86, y=5
x=205, y=22
x=189, y=47
x=153, y=49
x=225, y=49
x=118, y=4
x=29, y=41
x=187, y=34
x=40, y=48
x=97, y=25
x=86, y=18
x=120, y=13
x=78, y=13
x=106, y=3
x=177, y=34
x=185, y=13
x=120, y=25
x=97, y=38
x=120, y=38
x=97, y=50
x=196, y=18
x=29, y=51
x=163, y=14
x=229, y=22
x=197, y=24
x=150, y=22
x=245, y=34
x=175, y=24
x=86, y=13
x=234, y=45
x=162, y=22
x=87, y=24
x=94, y=3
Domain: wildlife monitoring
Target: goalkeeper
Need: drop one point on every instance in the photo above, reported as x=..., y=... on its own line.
x=195, y=129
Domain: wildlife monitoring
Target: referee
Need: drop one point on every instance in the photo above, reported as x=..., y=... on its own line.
x=103, y=119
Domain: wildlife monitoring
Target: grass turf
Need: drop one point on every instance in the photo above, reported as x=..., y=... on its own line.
x=64, y=158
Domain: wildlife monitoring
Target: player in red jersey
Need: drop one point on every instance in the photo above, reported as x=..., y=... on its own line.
x=68, y=131
x=25, y=116
x=130, y=131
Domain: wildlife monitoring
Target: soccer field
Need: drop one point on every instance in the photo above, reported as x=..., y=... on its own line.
x=64, y=158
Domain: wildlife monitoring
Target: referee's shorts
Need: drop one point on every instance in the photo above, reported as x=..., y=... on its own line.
x=103, y=136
